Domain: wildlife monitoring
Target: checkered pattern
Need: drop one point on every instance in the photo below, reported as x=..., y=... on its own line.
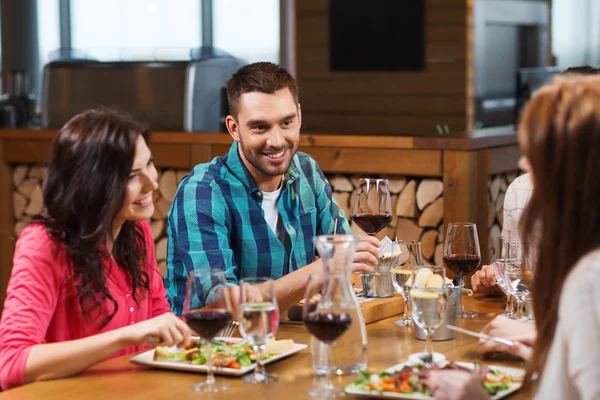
x=216, y=221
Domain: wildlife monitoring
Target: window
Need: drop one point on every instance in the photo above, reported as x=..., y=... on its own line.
x=48, y=28
x=136, y=29
x=247, y=29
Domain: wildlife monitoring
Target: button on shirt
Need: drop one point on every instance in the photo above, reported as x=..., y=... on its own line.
x=216, y=221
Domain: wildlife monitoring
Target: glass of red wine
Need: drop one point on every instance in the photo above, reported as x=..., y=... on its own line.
x=207, y=286
x=372, y=210
x=327, y=322
x=462, y=255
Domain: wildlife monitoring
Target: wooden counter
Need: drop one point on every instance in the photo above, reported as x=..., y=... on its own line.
x=387, y=346
x=465, y=166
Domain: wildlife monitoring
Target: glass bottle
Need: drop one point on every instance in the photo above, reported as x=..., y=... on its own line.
x=350, y=353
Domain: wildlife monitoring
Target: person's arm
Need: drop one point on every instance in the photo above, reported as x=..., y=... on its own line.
x=199, y=227
x=32, y=298
x=523, y=333
x=290, y=288
x=579, y=321
x=62, y=359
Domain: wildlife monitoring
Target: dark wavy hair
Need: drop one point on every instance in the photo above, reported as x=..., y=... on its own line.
x=84, y=192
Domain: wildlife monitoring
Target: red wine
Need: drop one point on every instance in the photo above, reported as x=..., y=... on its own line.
x=207, y=323
x=465, y=263
x=371, y=223
x=327, y=327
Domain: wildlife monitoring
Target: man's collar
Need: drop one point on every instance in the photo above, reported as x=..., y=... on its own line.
x=238, y=169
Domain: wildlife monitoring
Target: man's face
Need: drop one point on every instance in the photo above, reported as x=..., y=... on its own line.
x=268, y=131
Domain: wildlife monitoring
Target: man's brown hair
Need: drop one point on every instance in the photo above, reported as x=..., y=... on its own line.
x=264, y=77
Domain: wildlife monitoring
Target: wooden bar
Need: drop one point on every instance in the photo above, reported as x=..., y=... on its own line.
x=7, y=241
x=465, y=191
x=465, y=163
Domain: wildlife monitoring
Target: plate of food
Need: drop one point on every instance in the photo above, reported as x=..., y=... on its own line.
x=231, y=356
x=403, y=381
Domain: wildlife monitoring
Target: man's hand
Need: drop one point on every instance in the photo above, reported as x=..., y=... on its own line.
x=367, y=254
x=483, y=281
x=522, y=333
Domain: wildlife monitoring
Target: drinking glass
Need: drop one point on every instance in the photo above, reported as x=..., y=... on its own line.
x=259, y=320
x=517, y=275
x=499, y=264
x=428, y=293
x=372, y=210
x=207, y=286
x=462, y=255
x=326, y=322
x=408, y=256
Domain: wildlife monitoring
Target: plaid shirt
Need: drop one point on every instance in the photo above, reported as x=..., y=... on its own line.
x=216, y=221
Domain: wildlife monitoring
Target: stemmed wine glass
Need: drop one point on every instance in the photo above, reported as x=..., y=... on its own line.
x=207, y=286
x=462, y=255
x=407, y=256
x=326, y=323
x=428, y=293
x=372, y=210
x=517, y=275
x=499, y=265
x=259, y=320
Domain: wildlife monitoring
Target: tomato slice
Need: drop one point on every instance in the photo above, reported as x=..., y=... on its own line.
x=234, y=365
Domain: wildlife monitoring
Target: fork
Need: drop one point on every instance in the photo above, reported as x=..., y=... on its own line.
x=229, y=330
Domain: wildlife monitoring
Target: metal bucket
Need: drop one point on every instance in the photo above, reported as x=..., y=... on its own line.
x=452, y=305
x=379, y=283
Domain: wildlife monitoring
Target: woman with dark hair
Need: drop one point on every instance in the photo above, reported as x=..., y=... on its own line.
x=85, y=285
x=560, y=136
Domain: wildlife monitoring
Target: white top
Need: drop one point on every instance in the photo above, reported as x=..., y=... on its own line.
x=572, y=370
x=269, y=206
x=516, y=198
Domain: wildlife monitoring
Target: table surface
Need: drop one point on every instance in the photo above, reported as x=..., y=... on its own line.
x=387, y=345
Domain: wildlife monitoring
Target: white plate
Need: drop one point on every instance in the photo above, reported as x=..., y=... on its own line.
x=147, y=358
x=418, y=357
x=515, y=372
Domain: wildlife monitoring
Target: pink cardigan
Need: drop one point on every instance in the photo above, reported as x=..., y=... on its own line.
x=39, y=308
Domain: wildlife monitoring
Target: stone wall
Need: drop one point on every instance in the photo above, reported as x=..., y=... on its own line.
x=497, y=185
x=417, y=206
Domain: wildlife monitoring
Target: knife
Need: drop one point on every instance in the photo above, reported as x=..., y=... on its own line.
x=505, y=342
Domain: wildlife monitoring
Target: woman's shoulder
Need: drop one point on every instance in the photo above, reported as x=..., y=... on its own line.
x=35, y=237
x=582, y=280
x=37, y=249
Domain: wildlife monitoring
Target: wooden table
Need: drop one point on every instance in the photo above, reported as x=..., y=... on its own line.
x=388, y=345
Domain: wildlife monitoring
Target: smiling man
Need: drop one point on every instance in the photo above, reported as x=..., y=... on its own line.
x=255, y=211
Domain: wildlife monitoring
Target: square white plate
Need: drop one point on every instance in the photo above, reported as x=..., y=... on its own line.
x=515, y=372
x=147, y=358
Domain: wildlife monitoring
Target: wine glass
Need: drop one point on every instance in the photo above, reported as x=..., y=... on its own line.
x=408, y=256
x=462, y=255
x=517, y=275
x=259, y=320
x=428, y=293
x=207, y=286
x=372, y=210
x=499, y=264
x=326, y=322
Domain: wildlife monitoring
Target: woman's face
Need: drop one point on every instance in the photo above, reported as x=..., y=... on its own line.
x=142, y=182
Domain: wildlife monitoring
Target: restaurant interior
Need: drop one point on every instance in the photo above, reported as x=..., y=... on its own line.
x=411, y=110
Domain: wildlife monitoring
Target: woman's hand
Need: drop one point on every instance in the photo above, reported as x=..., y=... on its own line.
x=483, y=281
x=456, y=385
x=366, y=255
x=166, y=330
x=522, y=333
